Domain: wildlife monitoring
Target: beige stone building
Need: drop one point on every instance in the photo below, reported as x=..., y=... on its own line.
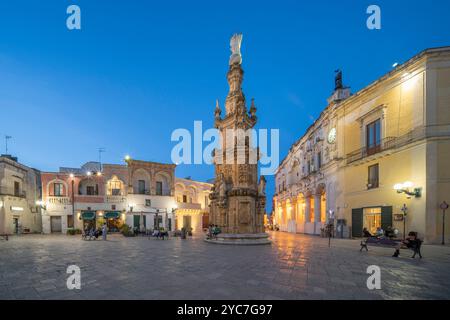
x=375, y=155
x=19, y=192
x=192, y=198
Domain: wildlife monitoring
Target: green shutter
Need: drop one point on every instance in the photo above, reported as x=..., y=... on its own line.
x=357, y=222
x=386, y=217
x=136, y=221
x=145, y=221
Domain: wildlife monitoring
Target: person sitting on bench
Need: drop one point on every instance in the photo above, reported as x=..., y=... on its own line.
x=411, y=242
x=379, y=233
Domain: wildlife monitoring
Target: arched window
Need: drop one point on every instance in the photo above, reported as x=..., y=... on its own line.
x=114, y=187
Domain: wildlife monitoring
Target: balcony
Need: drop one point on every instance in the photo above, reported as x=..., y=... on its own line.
x=116, y=199
x=191, y=206
x=385, y=145
x=5, y=191
x=59, y=200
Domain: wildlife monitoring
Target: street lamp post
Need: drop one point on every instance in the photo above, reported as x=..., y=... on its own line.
x=405, y=212
x=157, y=219
x=72, y=177
x=444, y=207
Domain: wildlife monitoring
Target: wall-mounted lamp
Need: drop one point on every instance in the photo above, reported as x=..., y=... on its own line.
x=407, y=188
x=41, y=204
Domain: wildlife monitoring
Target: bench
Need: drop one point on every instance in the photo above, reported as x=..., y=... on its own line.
x=4, y=237
x=391, y=243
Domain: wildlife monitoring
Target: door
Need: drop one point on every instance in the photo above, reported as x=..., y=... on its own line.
x=187, y=222
x=372, y=219
x=16, y=225
x=55, y=224
x=136, y=219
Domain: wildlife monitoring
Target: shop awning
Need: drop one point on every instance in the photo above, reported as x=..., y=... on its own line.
x=112, y=215
x=88, y=215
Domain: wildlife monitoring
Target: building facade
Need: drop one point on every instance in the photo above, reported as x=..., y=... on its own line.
x=378, y=158
x=139, y=193
x=19, y=192
x=192, y=198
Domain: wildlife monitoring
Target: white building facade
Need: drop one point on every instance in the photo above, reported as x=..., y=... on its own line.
x=19, y=191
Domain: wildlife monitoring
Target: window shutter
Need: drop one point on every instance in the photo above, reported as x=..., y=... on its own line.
x=136, y=221
x=386, y=217
x=357, y=222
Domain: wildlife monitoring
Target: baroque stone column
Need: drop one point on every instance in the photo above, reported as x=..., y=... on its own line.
x=238, y=200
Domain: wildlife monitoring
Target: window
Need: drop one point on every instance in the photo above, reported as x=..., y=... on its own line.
x=373, y=181
x=372, y=219
x=113, y=207
x=115, y=187
x=373, y=137
x=16, y=188
x=184, y=198
x=141, y=186
x=319, y=160
x=148, y=202
x=92, y=190
x=158, y=188
x=57, y=189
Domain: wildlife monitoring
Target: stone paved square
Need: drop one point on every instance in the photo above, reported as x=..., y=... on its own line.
x=293, y=267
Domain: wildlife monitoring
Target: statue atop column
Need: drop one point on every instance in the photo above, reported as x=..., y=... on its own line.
x=235, y=46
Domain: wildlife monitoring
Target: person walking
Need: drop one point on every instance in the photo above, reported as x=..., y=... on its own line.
x=104, y=231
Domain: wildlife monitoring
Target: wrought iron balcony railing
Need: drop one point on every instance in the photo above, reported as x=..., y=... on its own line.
x=386, y=144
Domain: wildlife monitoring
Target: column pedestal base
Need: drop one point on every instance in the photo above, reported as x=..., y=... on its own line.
x=246, y=239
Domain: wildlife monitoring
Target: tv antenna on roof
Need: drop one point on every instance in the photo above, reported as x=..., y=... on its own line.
x=6, y=143
x=100, y=151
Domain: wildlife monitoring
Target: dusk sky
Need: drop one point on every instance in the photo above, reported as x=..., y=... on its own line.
x=137, y=70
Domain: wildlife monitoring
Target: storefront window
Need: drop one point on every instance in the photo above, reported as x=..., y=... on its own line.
x=372, y=219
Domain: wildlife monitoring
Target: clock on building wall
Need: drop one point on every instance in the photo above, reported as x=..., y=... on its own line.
x=332, y=136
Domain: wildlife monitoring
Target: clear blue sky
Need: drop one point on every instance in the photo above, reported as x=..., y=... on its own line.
x=139, y=69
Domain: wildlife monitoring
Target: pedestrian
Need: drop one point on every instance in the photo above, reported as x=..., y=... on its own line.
x=104, y=230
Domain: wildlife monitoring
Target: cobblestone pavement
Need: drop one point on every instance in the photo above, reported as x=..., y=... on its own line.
x=293, y=267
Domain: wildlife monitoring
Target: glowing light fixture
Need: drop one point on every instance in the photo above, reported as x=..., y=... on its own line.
x=406, y=187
